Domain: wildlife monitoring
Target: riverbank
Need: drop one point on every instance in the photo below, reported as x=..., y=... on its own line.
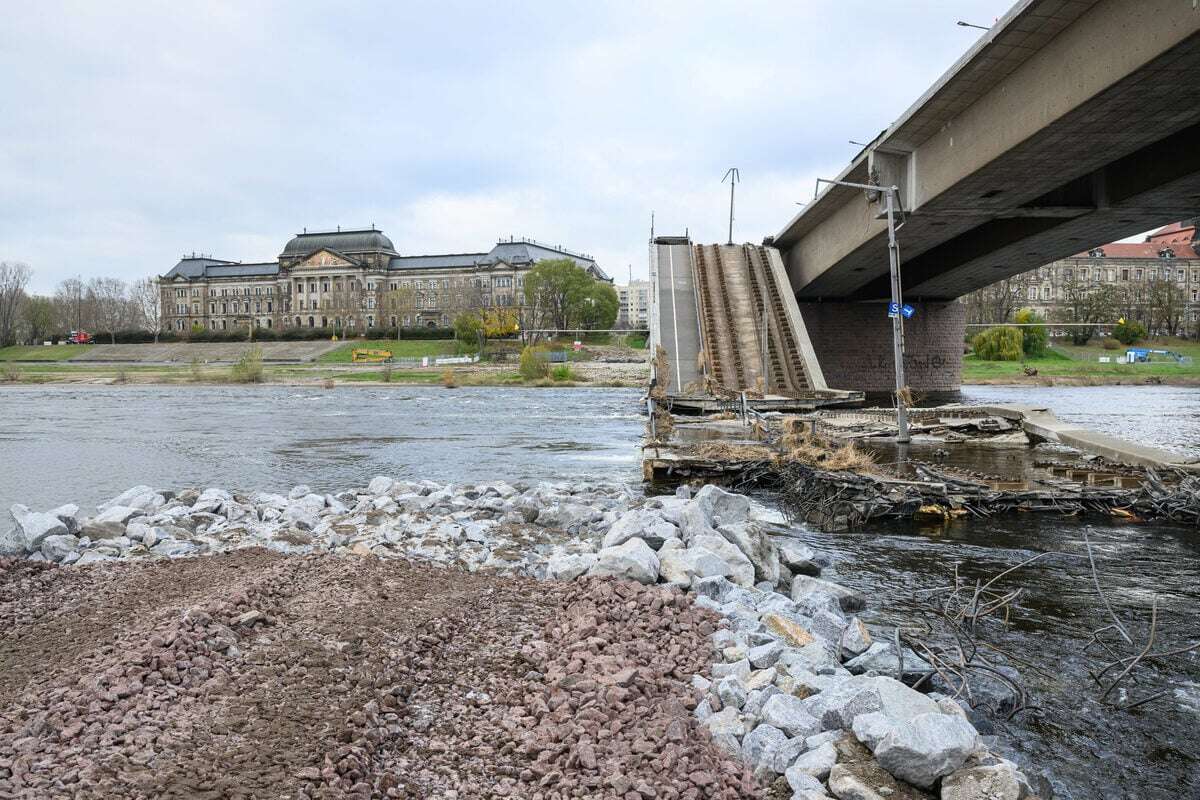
x=783, y=677
x=329, y=375
x=1079, y=365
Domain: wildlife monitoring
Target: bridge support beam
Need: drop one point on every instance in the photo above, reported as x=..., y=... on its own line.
x=853, y=343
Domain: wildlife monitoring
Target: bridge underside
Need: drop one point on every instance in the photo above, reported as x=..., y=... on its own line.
x=1020, y=156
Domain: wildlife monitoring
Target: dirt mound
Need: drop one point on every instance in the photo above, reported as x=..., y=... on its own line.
x=252, y=674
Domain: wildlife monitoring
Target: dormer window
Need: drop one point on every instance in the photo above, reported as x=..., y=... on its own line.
x=1097, y=252
x=1166, y=252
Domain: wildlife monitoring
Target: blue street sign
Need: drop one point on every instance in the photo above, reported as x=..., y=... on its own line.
x=893, y=309
x=908, y=311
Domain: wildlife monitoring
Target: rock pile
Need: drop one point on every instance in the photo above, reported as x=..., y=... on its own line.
x=795, y=688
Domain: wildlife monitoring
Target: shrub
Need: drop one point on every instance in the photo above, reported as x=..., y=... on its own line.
x=532, y=367
x=386, y=374
x=1109, y=343
x=249, y=368
x=1129, y=332
x=448, y=379
x=1033, y=340
x=561, y=373
x=1001, y=343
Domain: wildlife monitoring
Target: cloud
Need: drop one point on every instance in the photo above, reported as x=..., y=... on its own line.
x=133, y=132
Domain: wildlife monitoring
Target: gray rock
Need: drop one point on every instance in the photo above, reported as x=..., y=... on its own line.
x=855, y=639
x=569, y=566
x=805, y=587
x=803, y=782
x=871, y=728
x=759, y=746
x=839, y=704
x=94, y=556
x=133, y=498
x=96, y=530
x=756, y=699
x=31, y=528
x=739, y=668
x=298, y=492
x=766, y=655
x=118, y=514
x=881, y=658
x=785, y=754
x=568, y=516
x=925, y=747
x=741, y=570
x=173, y=548
x=717, y=504
x=754, y=543
x=302, y=515
x=797, y=557
x=380, y=485
x=998, y=782
x=69, y=515
x=787, y=713
x=732, y=691
x=815, y=763
x=633, y=560
x=56, y=547
x=683, y=491
x=818, y=739
x=644, y=524
x=727, y=721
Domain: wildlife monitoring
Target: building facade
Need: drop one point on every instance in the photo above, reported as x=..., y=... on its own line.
x=1155, y=282
x=634, y=305
x=350, y=280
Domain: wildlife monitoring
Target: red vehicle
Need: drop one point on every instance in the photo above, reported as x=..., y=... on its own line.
x=80, y=337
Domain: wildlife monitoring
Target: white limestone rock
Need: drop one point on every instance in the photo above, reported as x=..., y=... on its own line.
x=648, y=525
x=841, y=703
x=787, y=713
x=818, y=593
x=633, y=560
x=815, y=763
x=923, y=748
x=569, y=566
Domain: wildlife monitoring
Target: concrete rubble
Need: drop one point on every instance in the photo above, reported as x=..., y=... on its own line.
x=794, y=686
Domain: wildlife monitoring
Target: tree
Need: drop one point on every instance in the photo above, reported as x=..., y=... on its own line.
x=145, y=296
x=1088, y=304
x=73, y=307
x=1167, y=305
x=1001, y=343
x=1033, y=339
x=38, y=315
x=1128, y=332
x=992, y=304
x=14, y=277
x=560, y=294
x=110, y=297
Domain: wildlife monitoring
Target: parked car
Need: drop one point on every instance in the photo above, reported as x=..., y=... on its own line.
x=80, y=337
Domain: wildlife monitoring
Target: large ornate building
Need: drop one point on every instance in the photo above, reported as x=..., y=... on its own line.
x=1156, y=282
x=353, y=279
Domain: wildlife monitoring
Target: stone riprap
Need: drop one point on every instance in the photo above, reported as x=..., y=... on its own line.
x=795, y=681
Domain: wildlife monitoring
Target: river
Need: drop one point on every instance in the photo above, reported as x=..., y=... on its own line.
x=85, y=444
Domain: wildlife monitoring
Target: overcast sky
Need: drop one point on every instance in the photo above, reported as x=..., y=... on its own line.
x=131, y=133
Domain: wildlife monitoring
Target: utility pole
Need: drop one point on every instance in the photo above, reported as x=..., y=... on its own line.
x=889, y=195
x=734, y=177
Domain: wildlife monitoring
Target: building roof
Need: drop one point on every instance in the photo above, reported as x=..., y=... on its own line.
x=435, y=261
x=1184, y=233
x=1180, y=237
x=193, y=267
x=361, y=241
x=263, y=269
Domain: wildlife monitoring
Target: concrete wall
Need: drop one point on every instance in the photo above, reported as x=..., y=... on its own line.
x=853, y=342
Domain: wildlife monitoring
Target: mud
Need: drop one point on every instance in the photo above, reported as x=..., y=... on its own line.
x=253, y=674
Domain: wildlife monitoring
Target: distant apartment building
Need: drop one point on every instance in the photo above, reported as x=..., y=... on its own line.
x=350, y=280
x=635, y=305
x=1156, y=282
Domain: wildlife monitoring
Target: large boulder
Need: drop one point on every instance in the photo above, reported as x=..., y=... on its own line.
x=816, y=762
x=759, y=746
x=140, y=497
x=721, y=507
x=96, y=529
x=118, y=514
x=923, y=748
x=798, y=557
x=568, y=516
x=680, y=566
x=69, y=515
x=380, y=485
x=648, y=525
x=58, y=546
x=881, y=658
x=569, y=566
x=741, y=569
x=756, y=545
x=815, y=593
x=787, y=713
x=839, y=705
x=31, y=528
x=633, y=560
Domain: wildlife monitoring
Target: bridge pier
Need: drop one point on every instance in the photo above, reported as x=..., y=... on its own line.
x=853, y=343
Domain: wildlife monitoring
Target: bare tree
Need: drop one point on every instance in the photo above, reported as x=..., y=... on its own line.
x=995, y=304
x=144, y=294
x=14, y=277
x=38, y=316
x=111, y=299
x=1086, y=303
x=72, y=304
x=1167, y=306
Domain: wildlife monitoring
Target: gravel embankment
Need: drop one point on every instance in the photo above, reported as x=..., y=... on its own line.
x=254, y=674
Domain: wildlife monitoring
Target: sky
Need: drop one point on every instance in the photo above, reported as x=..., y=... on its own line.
x=132, y=133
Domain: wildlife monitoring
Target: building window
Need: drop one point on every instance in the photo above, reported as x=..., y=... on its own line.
x=257, y=308
x=212, y=308
x=270, y=290
x=268, y=306
x=1033, y=293
x=268, y=323
x=370, y=321
x=1045, y=292
x=1124, y=274
x=310, y=323
x=1137, y=274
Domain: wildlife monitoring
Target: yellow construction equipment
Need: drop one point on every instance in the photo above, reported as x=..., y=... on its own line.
x=370, y=356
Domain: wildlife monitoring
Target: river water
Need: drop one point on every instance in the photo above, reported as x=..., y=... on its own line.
x=85, y=444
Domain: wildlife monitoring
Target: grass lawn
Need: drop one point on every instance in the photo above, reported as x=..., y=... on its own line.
x=1080, y=365
x=55, y=352
x=401, y=348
